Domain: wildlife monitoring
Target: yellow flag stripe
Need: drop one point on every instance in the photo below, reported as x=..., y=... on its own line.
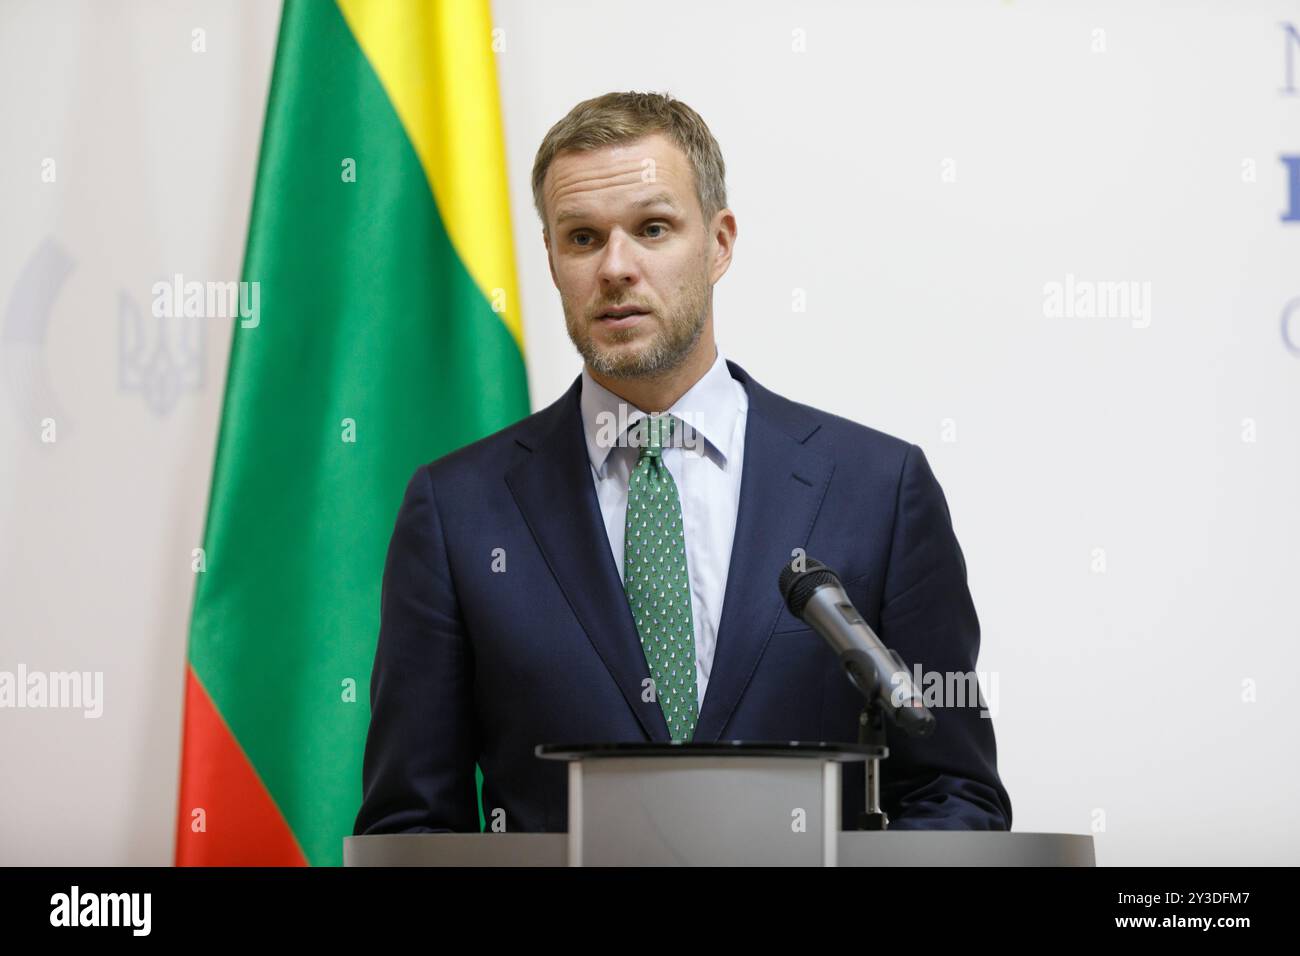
x=435, y=61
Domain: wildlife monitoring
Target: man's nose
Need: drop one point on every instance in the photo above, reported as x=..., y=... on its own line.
x=618, y=261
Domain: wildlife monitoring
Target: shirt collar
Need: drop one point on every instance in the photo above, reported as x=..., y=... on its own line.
x=711, y=405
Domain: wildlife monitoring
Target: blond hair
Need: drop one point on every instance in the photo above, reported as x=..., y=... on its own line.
x=617, y=118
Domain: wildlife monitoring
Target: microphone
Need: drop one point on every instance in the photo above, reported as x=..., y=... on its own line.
x=817, y=597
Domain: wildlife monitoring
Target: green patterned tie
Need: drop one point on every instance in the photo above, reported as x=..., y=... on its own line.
x=655, y=578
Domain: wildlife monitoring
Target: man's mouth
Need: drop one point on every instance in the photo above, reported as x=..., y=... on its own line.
x=622, y=316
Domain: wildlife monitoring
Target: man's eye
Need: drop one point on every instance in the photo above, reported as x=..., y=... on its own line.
x=585, y=235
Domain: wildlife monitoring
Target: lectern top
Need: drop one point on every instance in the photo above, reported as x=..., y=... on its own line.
x=794, y=749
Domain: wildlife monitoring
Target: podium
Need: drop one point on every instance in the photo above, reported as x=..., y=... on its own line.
x=738, y=803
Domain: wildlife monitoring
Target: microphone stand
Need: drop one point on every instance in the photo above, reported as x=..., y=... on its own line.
x=871, y=732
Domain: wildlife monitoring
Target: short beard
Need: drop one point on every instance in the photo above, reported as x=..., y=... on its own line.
x=667, y=350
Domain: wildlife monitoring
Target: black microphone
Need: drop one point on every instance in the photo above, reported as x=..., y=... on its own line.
x=817, y=597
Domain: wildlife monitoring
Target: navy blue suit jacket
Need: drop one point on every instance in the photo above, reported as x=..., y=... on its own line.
x=479, y=666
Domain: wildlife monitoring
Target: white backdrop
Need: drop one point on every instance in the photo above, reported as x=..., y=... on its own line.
x=908, y=181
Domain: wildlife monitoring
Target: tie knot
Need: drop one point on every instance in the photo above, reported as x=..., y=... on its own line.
x=656, y=432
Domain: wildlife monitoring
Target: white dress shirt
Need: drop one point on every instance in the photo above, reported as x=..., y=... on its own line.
x=707, y=473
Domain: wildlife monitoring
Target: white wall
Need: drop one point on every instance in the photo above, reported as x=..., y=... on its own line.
x=154, y=148
x=1121, y=705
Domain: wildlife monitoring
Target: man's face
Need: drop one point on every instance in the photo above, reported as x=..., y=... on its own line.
x=626, y=232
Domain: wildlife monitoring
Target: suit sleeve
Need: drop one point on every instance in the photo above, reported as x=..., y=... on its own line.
x=418, y=770
x=949, y=780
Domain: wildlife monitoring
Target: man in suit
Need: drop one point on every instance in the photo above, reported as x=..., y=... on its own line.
x=606, y=569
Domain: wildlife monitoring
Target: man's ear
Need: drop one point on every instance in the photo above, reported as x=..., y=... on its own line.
x=724, y=235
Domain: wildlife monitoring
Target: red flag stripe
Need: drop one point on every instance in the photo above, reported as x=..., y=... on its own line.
x=243, y=826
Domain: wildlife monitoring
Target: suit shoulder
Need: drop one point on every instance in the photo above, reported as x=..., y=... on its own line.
x=493, y=452
x=845, y=439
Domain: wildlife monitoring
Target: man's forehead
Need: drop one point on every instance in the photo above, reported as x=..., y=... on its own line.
x=641, y=173
x=617, y=157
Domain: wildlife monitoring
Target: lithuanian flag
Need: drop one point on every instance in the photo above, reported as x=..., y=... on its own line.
x=389, y=334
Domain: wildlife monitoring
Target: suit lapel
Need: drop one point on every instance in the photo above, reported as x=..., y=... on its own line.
x=781, y=490
x=554, y=490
